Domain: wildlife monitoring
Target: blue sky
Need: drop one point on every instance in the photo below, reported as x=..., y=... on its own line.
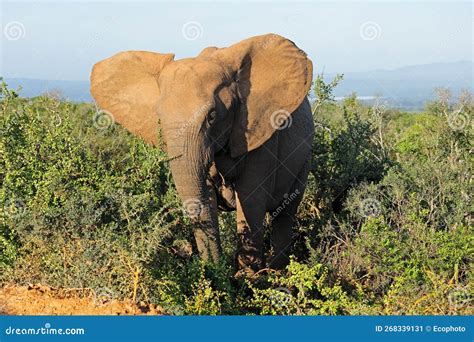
x=62, y=40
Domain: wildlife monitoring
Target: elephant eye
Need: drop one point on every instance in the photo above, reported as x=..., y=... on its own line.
x=211, y=117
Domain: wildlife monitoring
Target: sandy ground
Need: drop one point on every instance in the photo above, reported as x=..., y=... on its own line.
x=44, y=300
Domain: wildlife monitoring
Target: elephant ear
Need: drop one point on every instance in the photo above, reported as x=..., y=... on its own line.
x=125, y=85
x=209, y=51
x=273, y=78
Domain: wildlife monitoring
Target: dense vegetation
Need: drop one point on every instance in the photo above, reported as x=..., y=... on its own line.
x=385, y=226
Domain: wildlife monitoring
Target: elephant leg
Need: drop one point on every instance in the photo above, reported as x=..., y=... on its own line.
x=250, y=225
x=254, y=189
x=284, y=218
x=281, y=239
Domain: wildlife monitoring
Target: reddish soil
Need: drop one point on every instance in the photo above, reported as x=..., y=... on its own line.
x=44, y=300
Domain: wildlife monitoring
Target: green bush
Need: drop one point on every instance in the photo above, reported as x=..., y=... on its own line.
x=302, y=290
x=385, y=226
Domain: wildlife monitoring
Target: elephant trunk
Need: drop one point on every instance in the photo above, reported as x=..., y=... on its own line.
x=191, y=157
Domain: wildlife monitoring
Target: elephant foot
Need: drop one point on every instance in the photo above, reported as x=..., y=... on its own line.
x=279, y=262
x=208, y=243
x=244, y=273
x=250, y=259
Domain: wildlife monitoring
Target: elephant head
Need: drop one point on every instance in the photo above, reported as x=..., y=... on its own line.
x=223, y=99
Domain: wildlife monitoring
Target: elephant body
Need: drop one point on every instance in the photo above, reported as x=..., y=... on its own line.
x=238, y=127
x=270, y=179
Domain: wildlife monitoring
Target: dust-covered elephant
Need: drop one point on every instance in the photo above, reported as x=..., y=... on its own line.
x=237, y=126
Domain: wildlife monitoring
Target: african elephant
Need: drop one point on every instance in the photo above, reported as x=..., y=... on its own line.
x=237, y=126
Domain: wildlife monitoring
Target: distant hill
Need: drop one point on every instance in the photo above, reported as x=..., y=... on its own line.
x=406, y=88
x=77, y=91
